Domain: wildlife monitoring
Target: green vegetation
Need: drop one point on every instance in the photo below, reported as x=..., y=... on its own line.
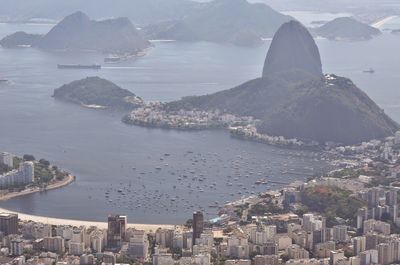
x=269, y=208
x=29, y=158
x=45, y=173
x=352, y=173
x=332, y=202
x=189, y=223
x=97, y=91
x=126, y=260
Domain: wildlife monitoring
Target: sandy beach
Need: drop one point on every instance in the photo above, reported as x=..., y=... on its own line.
x=379, y=24
x=58, y=221
x=102, y=225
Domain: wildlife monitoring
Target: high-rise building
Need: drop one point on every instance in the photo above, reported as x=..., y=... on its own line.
x=397, y=137
x=138, y=245
x=7, y=159
x=28, y=172
x=198, y=225
x=54, y=244
x=271, y=248
x=376, y=226
x=373, y=197
x=385, y=254
x=391, y=198
x=87, y=259
x=335, y=256
x=359, y=244
x=116, y=231
x=369, y=257
x=17, y=248
x=266, y=260
x=76, y=248
x=8, y=223
x=339, y=233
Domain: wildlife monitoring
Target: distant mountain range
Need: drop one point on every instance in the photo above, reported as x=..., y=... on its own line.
x=79, y=32
x=139, y=11
x=295, y=100
x=222, y=21
x=347, y=28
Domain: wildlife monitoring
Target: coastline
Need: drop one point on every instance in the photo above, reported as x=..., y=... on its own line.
x=77, y=223
x=57, y=185
x=380, y=23
x=59, y=221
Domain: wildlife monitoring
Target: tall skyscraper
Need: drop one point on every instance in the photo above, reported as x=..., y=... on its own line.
x=198, y=225
x=116, y=231
x=8, y=223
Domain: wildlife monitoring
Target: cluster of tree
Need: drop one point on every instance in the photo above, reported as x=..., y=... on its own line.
x=332, y=202
x=272, y=207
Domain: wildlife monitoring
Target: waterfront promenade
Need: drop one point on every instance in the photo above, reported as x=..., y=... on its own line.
x=59, y=184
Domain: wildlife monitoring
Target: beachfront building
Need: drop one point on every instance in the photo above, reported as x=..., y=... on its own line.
x=116, y=231
x=23, y=176
x=7, y=159
x=8, y=223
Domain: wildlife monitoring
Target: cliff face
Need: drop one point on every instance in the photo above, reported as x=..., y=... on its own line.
x=346, y=28
x=78, y=32
x=293, y=52
x=294, y=99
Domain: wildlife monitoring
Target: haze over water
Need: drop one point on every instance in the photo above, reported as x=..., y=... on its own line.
x=102, y=151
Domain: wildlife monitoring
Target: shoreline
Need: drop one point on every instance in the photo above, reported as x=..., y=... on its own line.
x=72, y=222
x=380, y=23
x=57, y=185
x=77, y=223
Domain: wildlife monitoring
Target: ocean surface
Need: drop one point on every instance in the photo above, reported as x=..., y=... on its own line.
x=153, y=175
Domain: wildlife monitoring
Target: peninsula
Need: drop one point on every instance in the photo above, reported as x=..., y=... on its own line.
x=294, y=99
x=20, y=176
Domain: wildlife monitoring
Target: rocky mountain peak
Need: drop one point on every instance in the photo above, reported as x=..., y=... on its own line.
x=294, y=52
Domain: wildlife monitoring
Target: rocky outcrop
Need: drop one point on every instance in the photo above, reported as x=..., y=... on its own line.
x=295, y=100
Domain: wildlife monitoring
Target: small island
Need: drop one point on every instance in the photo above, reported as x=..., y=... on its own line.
x=347, y=29
x=98, y=93
x=25, y=175
x=20, y=39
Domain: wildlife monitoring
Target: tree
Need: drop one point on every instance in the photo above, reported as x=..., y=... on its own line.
x=189, y=223
x=44, y=162
x=29, y=157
